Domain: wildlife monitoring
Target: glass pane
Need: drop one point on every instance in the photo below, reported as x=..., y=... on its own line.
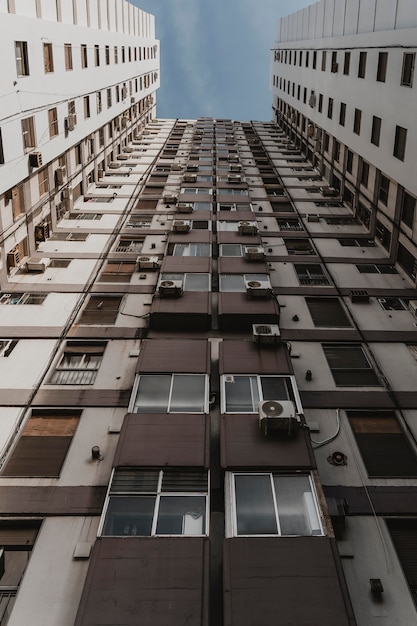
x=241, y=394
x=197, y=282
x=181, y=515
x=129, y=516
x=230, y=249
x=153, y=394
x=188, y=393
x=180, y=249
x=200, y=249
x=232, y=282
x=296, y=508
x=274, y=388
x=255, y=511
x=346, y=357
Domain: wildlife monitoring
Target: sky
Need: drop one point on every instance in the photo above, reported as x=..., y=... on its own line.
x=215, y=55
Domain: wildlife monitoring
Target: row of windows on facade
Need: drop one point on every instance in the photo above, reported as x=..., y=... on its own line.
x=400, y=138
x=127, y=54
x=385, y=445
x=120, y=94
x=296, y=57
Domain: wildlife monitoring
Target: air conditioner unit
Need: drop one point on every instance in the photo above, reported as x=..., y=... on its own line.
x=60, y=174
x=13, y=257
x=258, y=288
x=184, y=207
x=66, y=193
x=170, y=288
x=35, y=159
x=124, y=92
x=235, y=168
x=310, y=130
x=234, y=178
x=148, y=262
x=122, y=157
x=278, y=415
x=359, y=296
x=254, y=253
x=266, y=333
x=190, y=178
x=313, y=217
x=176, y=167
x=192, y=168
x=34, y=264
x=412, y=305
x=123, y=121
x=114, y=165
x=128, y=149
x=312, y=100
x=132, y=100
x=41, y=231
x=247, y=228
x=181, y=226
x=137, y=137
x=100, y=172
x=170, y=199
x=329, y=191
x=233, y=158
x=335, y=68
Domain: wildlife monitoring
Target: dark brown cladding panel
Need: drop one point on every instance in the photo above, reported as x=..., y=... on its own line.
x=246, y=357
x=195, y=236
x=385, y=500
x=82, y=397
x=235, y=216
x=284, y=581
x=237, y=312
x=189, y=312
x=160, y=582
x=238, y=265
x=348, y=400
x=196, y=264
x=234, y=237
x=190, y=356
x=160, y=440
x=243, y=444
x=46, y=501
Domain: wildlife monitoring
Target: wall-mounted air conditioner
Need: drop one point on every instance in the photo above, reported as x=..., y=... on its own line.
x=128, y=149
x=278, y=415
x=13, y=257
x=258, y=288
x=72, y=121
x=234, y=178
x=122, y=157
x=266, y=333
x=192, y=168
x=233, y=158
x=313, y=217
x=170, y=199
x=66, y=193
x=359, y=296
x=114, y=165
x=170, y=288
x=176, y=167
x=148, y=262
x=181, y=226
x=190, y=178
x=35, y=159
x=254, y=253
x=34, y=264
x=310, y=130
x=329, y=191
x=184, y=207
x=60, y=174
x=247, y=228
x=41, y=231
x=235, y=168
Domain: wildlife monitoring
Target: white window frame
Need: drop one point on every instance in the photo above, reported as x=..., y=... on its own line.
x=205, y=400
x=189, y=247
x=227, y=378
x=86, y=374
x=231, y=511
x=261, y=277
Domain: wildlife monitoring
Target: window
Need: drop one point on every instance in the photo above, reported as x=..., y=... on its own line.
x=327, y=312
x=53, y=122
x=43, y=445
x=191, y=249
x=408, y=207
x=383, y=234
x=79, y=363
x=382, y=67
x=101, y=309
x=68, y=56
x=407, y=261
x=407, y=73
x=22, y=298
x=326, y=141
x=99, y=103
x=350, y=366
x=87, y=112
x=6, y=347
x=129, y=245
x=330, y=108
x=22, y=59
x=84, y=57
x=237, y=282
x=69, y=237
x=117, y=272
x=364, y=173
x=97, y=55
x=17, y=538
x=336, y=150
x=299, y=246
x=116, y=54
x=109, y=100
x=312, y=274
x=400, y=142
x=376, y=130
x=190, y=281
x=171, y=393
x=314, y=59
x=149, y=502
x=107, y=54
x=242, y=393
x=393, y=304
x=376, y=268
x=357, y=122
x=383, y=190
x=342, y=114
x=43, y=181
x=320, y=104
x=362, y=65
x=346, y=64
x=1, y=149
x=28, y=133
x=48, y=59
x=349, y=161
x=360, y=243
x=384, y=447
x=403, y=534
x=289, y=224
x=323, y=61
x=269, y=503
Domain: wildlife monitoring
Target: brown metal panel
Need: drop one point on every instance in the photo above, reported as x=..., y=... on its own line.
x=38, y=456
x=236, y=216
x=357, y=400
x=247, y=357
x=226, y=236
x=394, y=500
x=132, y=581
x=242, y=444
x=61, y=397
x=237, y=312
x=283, y=581
x=239, y=265
x=192, y=312
x=44, y=501
x=193, y=197
x=195, y=236
x=174, y=355
x=164, y=440
x=196, y=264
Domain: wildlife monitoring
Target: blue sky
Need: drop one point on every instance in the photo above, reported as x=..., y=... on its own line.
x=215, y=55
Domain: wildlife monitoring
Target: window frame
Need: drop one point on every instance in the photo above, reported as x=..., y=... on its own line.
x=69, y=65
x=86, y=367
x=319, y=279
x=53, y=122
x=28, y=133
x=135, y=391
x=407, y=71
x=48, y=57
x=255, y=383
x=338, y=372
x=22, y=58
x=400, y=142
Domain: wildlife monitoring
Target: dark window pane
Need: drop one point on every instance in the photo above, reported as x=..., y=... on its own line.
x=254, y=506
x=130, y=516
x=327, y=312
